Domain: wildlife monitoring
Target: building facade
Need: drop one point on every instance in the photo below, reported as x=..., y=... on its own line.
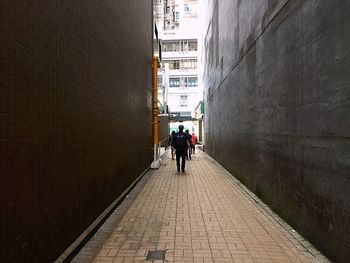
x=70, y=108
x=177, y=21
x=276, y=81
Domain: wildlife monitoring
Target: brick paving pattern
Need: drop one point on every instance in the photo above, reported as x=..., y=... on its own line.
x=200, y=216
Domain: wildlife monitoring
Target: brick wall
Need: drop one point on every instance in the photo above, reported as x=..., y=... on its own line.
x=75, y=117
x=277, y=85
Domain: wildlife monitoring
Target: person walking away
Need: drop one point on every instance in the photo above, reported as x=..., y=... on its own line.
x=194, y=142
x=180, y=144
x=170, y=144
x=189, y=150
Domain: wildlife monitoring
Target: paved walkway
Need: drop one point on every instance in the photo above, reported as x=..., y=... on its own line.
x=203, y=215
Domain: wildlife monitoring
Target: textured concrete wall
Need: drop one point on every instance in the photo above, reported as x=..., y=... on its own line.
x=277, y=80
x=75, y=117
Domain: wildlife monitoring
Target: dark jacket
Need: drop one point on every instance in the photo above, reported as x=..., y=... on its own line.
x=180, y=140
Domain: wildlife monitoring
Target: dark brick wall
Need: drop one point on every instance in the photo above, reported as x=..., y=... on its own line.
x=75, y=117
x=277, y=79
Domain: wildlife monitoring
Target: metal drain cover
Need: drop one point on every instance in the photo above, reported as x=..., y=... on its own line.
x=155, y=255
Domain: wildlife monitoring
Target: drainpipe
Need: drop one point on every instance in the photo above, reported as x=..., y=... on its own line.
x=156, y=160
x=166, y=86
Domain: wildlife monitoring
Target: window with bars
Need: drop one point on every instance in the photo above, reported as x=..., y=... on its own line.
x=192, y=45
x=174, y=82
x=179, y=46
x=187, y=64
x=182, y=64
x=183, y=82
x=173, y=64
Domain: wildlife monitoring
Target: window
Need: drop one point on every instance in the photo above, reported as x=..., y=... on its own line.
x=179, y=46
x=182, y=64
x=192, y=45
x=177, y=16
x=184, y=45
x=182, y=81
x=174, y=82
x=192, y=82
x=165, y=47
x=173, y=64
x=192, y=63
x=175, y=46
x=186, y=64
x=183, y=100
x=160, y=81
x=157, y=8
x=185, y=114
x=171, y=46
x=190, y=10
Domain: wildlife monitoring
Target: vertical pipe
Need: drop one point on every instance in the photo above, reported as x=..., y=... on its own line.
x=155, y=101
x=166, y=86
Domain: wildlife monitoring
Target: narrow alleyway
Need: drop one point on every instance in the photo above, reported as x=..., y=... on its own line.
x=203, y=215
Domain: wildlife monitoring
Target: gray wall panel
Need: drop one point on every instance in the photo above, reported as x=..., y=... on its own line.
x=277, y=93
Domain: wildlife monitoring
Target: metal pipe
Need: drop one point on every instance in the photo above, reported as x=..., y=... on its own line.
x=155, y=101
x=166, y=86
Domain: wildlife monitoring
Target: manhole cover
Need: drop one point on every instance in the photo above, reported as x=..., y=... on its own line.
x=155, y=255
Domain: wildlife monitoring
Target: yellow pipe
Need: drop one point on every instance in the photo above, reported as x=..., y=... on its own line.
x=155, y=101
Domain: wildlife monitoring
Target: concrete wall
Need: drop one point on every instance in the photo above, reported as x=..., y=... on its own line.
x=75, y=101
x=277, y=80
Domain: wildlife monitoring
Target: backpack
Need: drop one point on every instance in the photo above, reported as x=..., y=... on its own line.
x=181, y=140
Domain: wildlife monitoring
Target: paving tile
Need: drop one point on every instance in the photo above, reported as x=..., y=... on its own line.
x=201, y=216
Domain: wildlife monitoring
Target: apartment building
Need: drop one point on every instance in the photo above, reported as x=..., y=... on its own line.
x=177, y=22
